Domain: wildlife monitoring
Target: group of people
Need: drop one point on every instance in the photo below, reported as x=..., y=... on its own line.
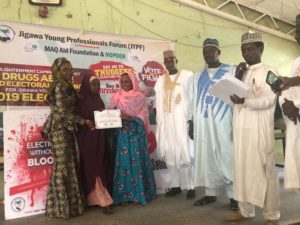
x=203, y=140
x=110, y=170
x=233, y=144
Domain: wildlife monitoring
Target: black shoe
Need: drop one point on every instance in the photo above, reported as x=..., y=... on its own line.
x=191, y=194
x=205, y=200
x=173, y=191
x=234, y=205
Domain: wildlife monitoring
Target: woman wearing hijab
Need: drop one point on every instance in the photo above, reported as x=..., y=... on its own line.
x=65, y=196
x=133, y=179
x=95, y=159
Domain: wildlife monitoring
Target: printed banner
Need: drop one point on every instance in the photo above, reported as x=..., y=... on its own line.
x=27, y=53
x=162, y=175
x=27, y=163
x=25, y=69
x=23, y=85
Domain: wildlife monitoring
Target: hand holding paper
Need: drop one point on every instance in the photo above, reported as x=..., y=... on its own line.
x=228, y=86
x=109, y=118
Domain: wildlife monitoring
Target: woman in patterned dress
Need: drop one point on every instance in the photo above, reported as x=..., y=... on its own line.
x=95, y=157
x=65, y=196
x=133, y=179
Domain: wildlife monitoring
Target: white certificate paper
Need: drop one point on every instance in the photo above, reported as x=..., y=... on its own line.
x=228, y=85
x=109, y=118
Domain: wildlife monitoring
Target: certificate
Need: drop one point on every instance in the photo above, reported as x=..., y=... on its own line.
x=109, y=118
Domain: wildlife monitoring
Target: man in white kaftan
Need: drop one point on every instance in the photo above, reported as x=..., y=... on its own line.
x=256, y=181
x=292, y=148
x=171, y=130
x=212, y=128
x=290, y=104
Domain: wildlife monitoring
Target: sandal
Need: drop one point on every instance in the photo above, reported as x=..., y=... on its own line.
x=234, y=205
x=235, y=216
x=205, y=200
x=108, y=210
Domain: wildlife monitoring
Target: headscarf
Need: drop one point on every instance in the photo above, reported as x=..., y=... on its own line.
x=89, y=102
x=56, y=76
x=133, y=102
x=95, y=158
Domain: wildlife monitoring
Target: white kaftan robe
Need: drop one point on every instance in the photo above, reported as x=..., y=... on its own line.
x=212, y=119
x=255, y=178
x=292, y=149
x=172, y=131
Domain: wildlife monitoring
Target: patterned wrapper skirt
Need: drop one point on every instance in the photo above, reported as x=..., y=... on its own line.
x=65, y=195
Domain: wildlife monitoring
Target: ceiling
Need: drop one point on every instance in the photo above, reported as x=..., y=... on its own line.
x=285, y=10
x=276, y=17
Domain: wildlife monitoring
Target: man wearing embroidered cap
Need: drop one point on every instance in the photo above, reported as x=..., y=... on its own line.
x=256, y=181
x=169, y=54
x=172, y=139
x=212, y=128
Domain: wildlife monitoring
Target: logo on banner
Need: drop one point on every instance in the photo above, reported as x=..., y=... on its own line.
x=7, y=34
x=29, y=47
x=150, y=72
x=18, y=204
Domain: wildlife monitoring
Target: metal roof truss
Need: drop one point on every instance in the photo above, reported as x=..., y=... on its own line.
x=245, y=15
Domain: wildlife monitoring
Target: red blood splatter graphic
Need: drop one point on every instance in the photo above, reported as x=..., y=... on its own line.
x=33, y=162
